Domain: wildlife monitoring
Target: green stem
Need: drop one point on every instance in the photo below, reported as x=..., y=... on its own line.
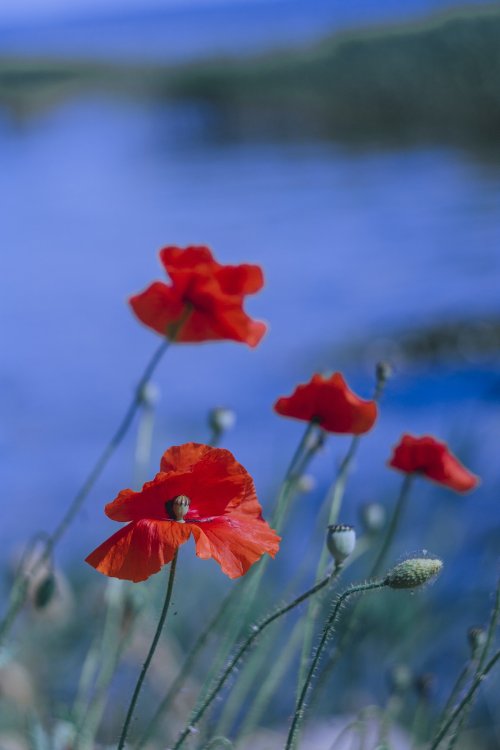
x=149, y=657
x=218, y=741
x=374, y=572
x=334, y=502
x=248, y=591
x=327, y=630
x=401, y=504
x=176, y=685
x=492, y=627
x=465, y=702
x=21, y=585
x=256, y=631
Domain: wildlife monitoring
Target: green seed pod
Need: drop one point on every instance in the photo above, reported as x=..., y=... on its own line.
x=413, y=572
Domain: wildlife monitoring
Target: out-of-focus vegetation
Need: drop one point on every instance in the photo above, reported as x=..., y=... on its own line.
x=433, y=81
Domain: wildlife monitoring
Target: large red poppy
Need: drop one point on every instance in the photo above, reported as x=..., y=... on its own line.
x=331, y=403
x=208, y=296
x=432, y=458
x=201, y=491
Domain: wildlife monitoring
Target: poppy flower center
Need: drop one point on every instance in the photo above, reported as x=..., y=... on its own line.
x=178, y=507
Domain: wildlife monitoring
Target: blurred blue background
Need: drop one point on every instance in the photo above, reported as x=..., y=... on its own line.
x=373, y=248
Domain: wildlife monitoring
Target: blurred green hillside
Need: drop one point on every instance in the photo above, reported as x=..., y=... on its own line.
x=436, y=81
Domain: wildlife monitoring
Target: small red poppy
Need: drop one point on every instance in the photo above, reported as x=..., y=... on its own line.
x=331, y=403
x=432, y=458
x=213, y=293
x=201, y=491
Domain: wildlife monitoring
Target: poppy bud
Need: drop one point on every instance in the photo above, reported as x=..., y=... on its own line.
x=477, y=639
x=373, y=517
x=424, y=685
x=340, y=541
x=413, y=572
x=44, y=591
x=400, y=678
x=149, y=395
x=306, y=483
x=383, y=372
x=221, y=419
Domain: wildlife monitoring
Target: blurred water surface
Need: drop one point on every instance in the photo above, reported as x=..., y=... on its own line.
x=356, y=245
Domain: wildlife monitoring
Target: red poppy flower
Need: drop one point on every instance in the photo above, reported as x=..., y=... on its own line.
x=428, y=456
x=331, y=403
x=201, y=491
x=210, y=294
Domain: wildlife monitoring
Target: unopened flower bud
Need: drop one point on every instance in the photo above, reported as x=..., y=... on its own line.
x=221, y=419
x=477, y=638
x=44, y=591
x=384, y=372
x=424, y=685
x=373, y=517
x=306, y=483
x=400, y=678
x=413, y=572
x=149, y=395
x=340, y=541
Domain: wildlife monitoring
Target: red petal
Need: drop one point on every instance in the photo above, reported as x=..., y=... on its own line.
x=236, y=542
x=139, y=549
x=240, y=280
x=159, y=307
x=217, y=484
x=432, y=458
x=191, y=258
x=331, y=403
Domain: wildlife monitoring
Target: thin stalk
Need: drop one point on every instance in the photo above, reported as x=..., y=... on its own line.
x=327, y=631
x=492, y=627
x=248, y=592
x=149, y=657
x=374, y=572
x=267, y=688
x=240, y=691
x=255, y=632
x=20, y=588
x=186, y=669
x=334, y=502
x=218, y=742
x=465, y=702
x=399, y=509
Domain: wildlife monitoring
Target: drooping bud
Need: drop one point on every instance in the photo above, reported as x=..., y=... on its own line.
x=424, y=685
x=180, y=506
x=340, y=541
x=412, y=573
x=373, y=517
x=44, y=591
x=221, y=419
x=477, y=639
x=383, y=372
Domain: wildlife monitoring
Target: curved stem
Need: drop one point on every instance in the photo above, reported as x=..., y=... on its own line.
x=465, y=700
x=20, y=588
x=175, y=687
x=256, y=631
x=401, y=504
x=149, y=657
x=330, y=624
x=495, y=614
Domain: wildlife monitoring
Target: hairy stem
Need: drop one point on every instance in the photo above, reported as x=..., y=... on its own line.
x=465, y=702
x=327, y=631
x=255, y=632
